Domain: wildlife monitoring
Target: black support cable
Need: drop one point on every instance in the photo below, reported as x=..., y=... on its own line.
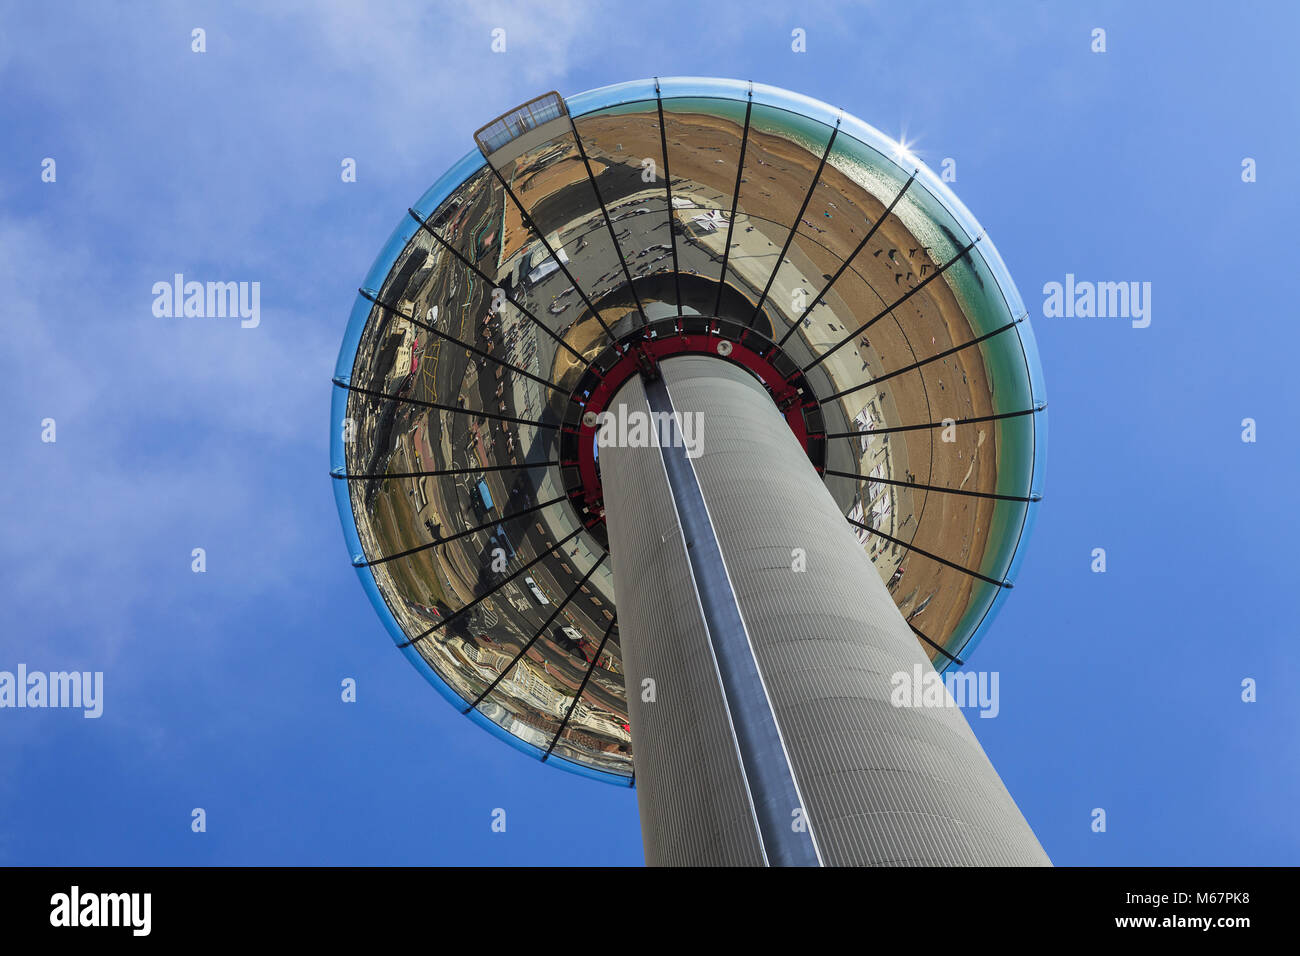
x=528, y=221
x=917, y=631
x=668, y=190
x=890, y=308
x=533, y=640
x=933, y=557
x=622, y=260
x=849, y=261
x=460, y=534
x=794, y=229
x=444, y=408
x=923, y=362
x=500, y=584
x=488, y=280
x=449, y=471
x=448, y=338
x=938, y=488
x=735, y=201
x=939, y=424
x=581, y=687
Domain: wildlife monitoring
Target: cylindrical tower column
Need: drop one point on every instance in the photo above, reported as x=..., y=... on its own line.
x=760, y=647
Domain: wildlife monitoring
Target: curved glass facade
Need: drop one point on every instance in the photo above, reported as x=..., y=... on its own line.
x=469, y=352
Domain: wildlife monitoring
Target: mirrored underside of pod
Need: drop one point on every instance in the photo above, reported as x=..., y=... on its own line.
x=658, y=218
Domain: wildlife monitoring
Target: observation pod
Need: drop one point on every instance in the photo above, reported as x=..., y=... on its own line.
x=673, y=426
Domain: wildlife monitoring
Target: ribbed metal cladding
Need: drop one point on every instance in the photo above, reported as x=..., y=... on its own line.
x=883, y=785
x=694, y=806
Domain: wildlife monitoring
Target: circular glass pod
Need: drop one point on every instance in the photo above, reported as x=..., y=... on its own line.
x=584, y=238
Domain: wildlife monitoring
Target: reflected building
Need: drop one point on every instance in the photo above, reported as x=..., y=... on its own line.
x=717, y=615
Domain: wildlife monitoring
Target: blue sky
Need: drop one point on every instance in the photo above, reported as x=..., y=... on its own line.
x=1118, y=690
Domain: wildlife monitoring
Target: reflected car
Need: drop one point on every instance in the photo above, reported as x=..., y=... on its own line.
x=537, y=592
